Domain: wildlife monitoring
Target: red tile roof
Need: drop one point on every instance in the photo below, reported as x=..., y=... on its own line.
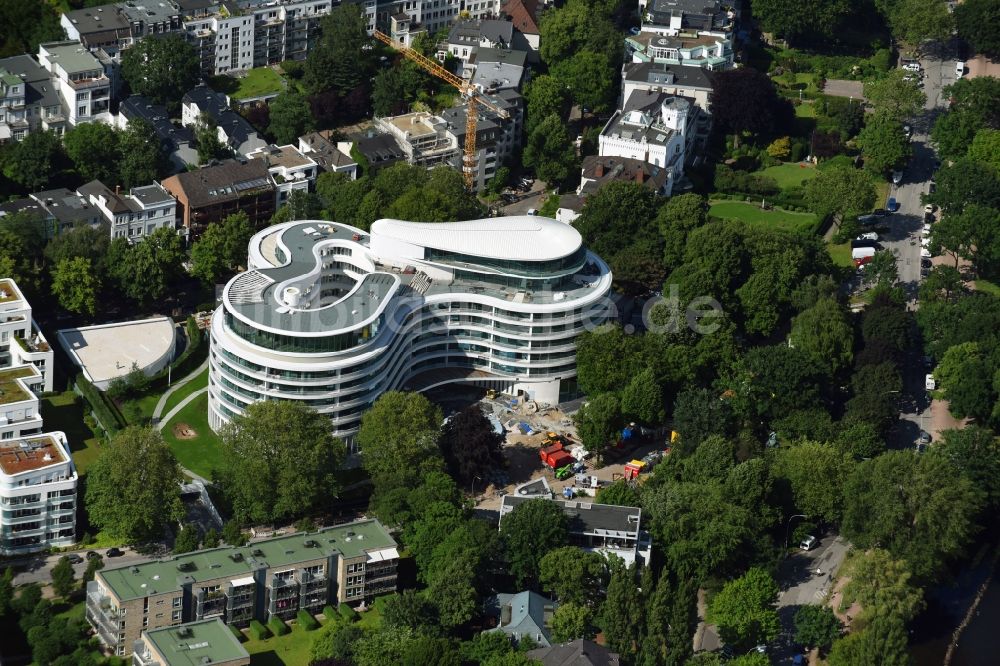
x=523, y=15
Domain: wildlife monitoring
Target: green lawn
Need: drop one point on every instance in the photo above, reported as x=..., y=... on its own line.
x=202, y=453
x=882, y=189
x=61, y=412
x=805, y=110
x=259, y=81
x=753, y=214
x=292, y=649
x=371, y=619
x=175, y=398
x=841, y=255
x=790, y=174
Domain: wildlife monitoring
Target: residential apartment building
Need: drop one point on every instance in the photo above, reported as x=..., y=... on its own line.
x=496, y=138
x=211, y=193
x=135, y=215
x=38, y=483
x=21, y=341
x=671, y=17
x=195, y=643
x=332, y=316
x=423, y=137
x=692, y=82
x=523, y=615
x=37, y=477
x=602, y=528
x=494, y=70
x=709, y=50
x=29, y=100
x=466, y=38
x=290, y=169
x=348, y=564
x=233, y=129
x=597, y=171
x=327, y=155
x=652, y=127
x=58, y=210
x=177, y=142
x=523, y=14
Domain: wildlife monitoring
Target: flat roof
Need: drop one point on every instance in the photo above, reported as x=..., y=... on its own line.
x=109, y=350
x=27, y=454
x=191, y=643
x=162, y=576
x=12, y=390
x=9, y=291
x=72, y=56
x=588, y=517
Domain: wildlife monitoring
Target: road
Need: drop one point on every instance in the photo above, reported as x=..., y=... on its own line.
x=805, y=578
x=903, y=239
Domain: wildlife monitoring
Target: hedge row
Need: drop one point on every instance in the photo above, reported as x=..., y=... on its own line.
x=307, y=621
x=258, y=632
x=237, y=633
x=107, y=415
x=278, y=626
x=347, y=612
x=329, y=612
x=192, y=356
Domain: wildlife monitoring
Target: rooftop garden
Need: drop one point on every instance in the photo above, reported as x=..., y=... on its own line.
x=10, y=389
x=257, y=82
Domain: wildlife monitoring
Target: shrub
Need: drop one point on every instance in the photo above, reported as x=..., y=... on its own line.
x=237, y=633
x=278, y=626
x=105, y=413
x=347, y=612
x=258, y=632
x=329, y=612
x=306, y=620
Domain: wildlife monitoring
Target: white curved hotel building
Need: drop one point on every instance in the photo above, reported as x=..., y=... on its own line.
x=333, y=316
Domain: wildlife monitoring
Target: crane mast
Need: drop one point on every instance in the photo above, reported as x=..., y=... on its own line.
x=468, y=91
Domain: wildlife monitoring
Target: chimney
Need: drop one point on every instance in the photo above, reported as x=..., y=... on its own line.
x=599, y=170
x=640, y=176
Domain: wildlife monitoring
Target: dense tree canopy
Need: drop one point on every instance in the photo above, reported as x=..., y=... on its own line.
x=339, y=61
x=280, y=462
x=161, y=68
x=797, y=20
x=470, y=446
x=530, y=531
x=976, y=23
x=221, y=249
x=745, y=100
x=132, y=488
x=398, y=438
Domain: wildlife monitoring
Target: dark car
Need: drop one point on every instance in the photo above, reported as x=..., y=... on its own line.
x=892, y=205
x=74, y=558
x=880, y=212
x=932, y=187
x=115, y=552
x=925, y=438
x=92, y=555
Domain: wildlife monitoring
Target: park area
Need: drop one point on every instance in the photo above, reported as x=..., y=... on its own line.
x=752, y=213
x=257, y=82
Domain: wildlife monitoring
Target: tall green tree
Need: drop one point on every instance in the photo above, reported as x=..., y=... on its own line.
x=550, y=152
x=842, y=191
x=620, y=617
x=94, y=151
x=884, y=144
x=642, y=399
x=75, y=284
x=574, y=576
x=35, y=161
x=892, y=97
x=470, y=445
x=965, y=381
x=25, y=25
x=824, y=333
x=398, y=439
x=63, y=578
x=816, y=626
x=965, y=182
x=290, y=118
x=339, y=61
x=544, y=95
x=161, y=68
x=572, y=621
x=599, y=422
x=915, y=21
x=590, y=78
x=221, y=249
x=678, y=217
x=144, y=270
x=881, y=643
x=530, y=531
x=976, y=23
x=133, y=488
x=801, y=21
x=207, y=137
x=280, y=462
x=973, y=235
x=815, y=474
x=143, y=159
x=882, y=585
x=746, y=101
x=985, y=148
x=744, y=610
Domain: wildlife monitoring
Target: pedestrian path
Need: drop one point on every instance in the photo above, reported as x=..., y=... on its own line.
x=162, y=402
x=181, y=405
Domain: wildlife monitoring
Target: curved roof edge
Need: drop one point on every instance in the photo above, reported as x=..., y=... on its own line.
x=516, y=237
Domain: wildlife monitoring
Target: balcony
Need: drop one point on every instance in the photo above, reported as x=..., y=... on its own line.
x=90, y=82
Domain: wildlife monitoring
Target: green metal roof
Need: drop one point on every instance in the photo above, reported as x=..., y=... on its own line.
x=163, y=576
x=189, y=644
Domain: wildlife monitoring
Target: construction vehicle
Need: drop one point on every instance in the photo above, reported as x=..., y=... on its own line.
x=555, y=456
x=469, y=92
x=564, y=472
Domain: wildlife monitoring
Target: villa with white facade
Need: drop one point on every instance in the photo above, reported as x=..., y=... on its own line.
x=334, y=316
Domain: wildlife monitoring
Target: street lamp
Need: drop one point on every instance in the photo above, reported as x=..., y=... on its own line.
x=788, y=525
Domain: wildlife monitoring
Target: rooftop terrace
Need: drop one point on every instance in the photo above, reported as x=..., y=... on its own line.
x=29, y=453
x=9, y=291
x=13, y=390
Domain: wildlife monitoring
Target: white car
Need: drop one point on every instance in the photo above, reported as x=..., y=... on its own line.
x=869, y=236
x=897, y=177
x=925, y=253
x=926, y=230
x=808, y=543
x=959, y=69
x=930, y=208
x=925, y=241
x=912, y=67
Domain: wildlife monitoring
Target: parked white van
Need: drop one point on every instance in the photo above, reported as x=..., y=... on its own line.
x=960, y=69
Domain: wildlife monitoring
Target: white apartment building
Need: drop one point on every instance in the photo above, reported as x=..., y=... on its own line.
x=709, y=50
x=327, y=155
x=29, y=100
x=291, y=170
x=333, y=316
x=19, y=411
x=21, y=341
x=37, y=493
x=423, y=137
x=690, y=82
x=135, y=215
x=672, y=17
x=80, y=78
x=654, y=128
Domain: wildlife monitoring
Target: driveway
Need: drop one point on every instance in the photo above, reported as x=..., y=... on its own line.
x=844, y=88
x=38, y=569
x=528, y=200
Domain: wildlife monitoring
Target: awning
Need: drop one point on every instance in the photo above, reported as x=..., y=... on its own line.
x=240, y=582
x=383, y=554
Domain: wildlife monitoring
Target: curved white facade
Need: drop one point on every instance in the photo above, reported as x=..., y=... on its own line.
x=333, y=316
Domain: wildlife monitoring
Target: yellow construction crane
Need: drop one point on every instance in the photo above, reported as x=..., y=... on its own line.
x=469, y=92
